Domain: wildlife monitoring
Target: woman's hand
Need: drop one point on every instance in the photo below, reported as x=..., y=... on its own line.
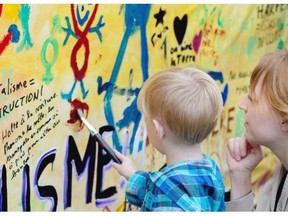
x=242, y=158
x=127, y=168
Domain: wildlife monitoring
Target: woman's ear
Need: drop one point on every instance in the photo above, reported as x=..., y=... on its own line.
x=284, y=125
x=159, y=128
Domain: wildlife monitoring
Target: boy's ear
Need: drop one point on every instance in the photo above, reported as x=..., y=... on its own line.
x=159, y=128
x=284, y=126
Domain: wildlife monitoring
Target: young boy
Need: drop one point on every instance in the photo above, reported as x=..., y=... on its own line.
x=180, y=107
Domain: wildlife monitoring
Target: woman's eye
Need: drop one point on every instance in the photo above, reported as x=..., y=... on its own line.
x=249, y=98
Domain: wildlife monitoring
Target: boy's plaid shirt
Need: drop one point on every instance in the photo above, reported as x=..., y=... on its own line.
x=196, y=185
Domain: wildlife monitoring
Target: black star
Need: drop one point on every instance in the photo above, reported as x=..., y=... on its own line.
x=159, y=16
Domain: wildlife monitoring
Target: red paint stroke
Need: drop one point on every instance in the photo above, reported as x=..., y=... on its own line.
x=75, y=121
x=5, y=42
x=264, y=178
x=147, y=143
x=79, y=74
x=1, y=6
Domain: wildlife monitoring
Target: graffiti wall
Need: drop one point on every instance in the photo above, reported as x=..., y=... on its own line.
x=57, y=58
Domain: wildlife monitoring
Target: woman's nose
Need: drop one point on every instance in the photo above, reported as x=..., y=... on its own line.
x=243, y=104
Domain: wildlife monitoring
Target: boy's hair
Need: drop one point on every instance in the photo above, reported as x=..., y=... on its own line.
x=187, y=100
x=274, y=68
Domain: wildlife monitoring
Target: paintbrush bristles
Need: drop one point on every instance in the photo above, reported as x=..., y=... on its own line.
x=80, y=113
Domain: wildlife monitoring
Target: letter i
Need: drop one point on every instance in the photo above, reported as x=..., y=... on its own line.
x=26, y=189
x=3, y=189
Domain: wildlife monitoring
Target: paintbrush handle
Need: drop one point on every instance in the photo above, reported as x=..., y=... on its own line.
x=106, y=147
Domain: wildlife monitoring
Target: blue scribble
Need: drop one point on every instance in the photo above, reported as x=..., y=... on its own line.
x=136, y=17
x=96, y=29
x=15, y=33
x=218, y=76
x=81, y=21
x=68, y=31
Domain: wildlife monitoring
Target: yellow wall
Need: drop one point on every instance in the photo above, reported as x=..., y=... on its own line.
x=55, y=58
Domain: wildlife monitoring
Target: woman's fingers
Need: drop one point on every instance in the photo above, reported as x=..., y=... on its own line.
x=243, y=146
x=237, y=147
x=231, y=147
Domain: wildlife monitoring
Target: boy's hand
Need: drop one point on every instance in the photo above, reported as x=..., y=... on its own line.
x=127, y=168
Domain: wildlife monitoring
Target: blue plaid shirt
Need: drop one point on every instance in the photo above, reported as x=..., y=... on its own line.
x=182, y=186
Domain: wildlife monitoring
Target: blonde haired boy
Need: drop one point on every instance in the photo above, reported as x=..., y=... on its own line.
x=180, y=107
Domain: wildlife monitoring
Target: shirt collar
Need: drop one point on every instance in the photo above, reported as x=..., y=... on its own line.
x=206, y=161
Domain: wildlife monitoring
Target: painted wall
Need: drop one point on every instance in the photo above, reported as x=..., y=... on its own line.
x=57, y=58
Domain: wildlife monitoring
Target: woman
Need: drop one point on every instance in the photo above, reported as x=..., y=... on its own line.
x=266, y=123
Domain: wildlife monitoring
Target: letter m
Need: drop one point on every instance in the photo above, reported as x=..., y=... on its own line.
x=73, y=159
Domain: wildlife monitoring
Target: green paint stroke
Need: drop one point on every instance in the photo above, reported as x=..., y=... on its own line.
x=239, y=125
x=56, y=23
x=252, y=43
x=48, y=76
x=213, y=10
x=280, y=44
x=51, y=41
x=220, y=22
x=24, y=16
x=203, y=20
x=280, y=25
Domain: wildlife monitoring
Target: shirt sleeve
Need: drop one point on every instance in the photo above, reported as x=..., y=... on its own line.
x=244, y=203
x=135, y=189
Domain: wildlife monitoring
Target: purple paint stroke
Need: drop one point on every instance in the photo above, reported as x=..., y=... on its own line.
x=197, y=41
x=104, y=202
x=142, y=159
x=75, y=171
x=136, y=143
x=65, y=170
x=126, y=142
x=122, y=182
x=50, y=152
x=101, y=203
x=105, y=169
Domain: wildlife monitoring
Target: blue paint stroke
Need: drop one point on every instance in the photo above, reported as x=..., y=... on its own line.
x=218, y=76
x=68, y=31
x=102, y=87
x=15, y=33
x=96, y=29
x=81, y=20
x=68, y=96
x=136, y=17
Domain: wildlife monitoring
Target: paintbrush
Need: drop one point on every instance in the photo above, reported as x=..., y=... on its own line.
x=98, y=137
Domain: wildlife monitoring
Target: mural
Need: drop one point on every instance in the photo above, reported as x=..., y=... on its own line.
x=57, y=58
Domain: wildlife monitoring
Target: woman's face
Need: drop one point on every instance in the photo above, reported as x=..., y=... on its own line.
x=262, y=123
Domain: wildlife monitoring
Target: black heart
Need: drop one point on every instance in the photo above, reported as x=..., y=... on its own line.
x=180, y=28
